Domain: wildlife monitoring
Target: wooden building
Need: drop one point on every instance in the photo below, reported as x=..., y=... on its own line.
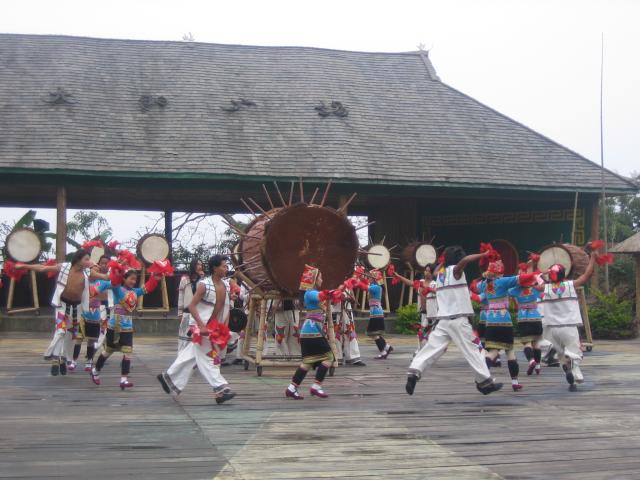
x=184, y=126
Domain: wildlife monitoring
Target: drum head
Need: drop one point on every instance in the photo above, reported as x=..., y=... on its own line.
x=96, y=253
x=237, y=320
x=425, y=254
x=555, y=254
x=153, y=247
x=23, y=245
x=378, y=257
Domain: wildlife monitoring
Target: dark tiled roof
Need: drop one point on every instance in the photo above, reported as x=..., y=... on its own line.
x=404, y=126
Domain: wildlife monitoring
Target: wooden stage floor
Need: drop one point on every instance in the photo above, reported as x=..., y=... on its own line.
x=65, y=427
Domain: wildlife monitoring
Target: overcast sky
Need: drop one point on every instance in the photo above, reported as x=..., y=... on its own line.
x=536, y=61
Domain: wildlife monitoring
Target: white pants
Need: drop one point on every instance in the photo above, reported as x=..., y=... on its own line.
x=61, y=344
x=179, y=373
x=183, y=329
x=346, y=338
x=459, y=332
x=103, y=328
x=566, y=341
x=286, y=327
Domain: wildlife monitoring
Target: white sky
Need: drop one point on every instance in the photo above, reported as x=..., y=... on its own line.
x=536, y=61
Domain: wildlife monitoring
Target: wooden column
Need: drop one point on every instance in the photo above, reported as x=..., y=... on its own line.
x=595, y=234
x=636, y=256
x=61, y=224
x=168, y=231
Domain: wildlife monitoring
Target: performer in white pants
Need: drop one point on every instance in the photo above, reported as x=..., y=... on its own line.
x=562, y=318
x=186, y=291
x=209, y=303
x=70, y=297
x=346, y=337
x=454, y=310
x=287, y=328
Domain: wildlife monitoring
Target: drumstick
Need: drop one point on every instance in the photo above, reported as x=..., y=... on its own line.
x=313, y=197
x=291, y=193
x=259, y=207
x=248, y=207
x=233, y=227
x=301, y=190
x=268, y=196
x=364, y=226
x=369, y=253
x=395, y=246
x=344, y=207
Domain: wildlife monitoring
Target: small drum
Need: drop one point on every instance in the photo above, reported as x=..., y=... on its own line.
x=237, y=320
x=419, y=255
x=152, y=247
x=378, y=257
x=96, y=253
x=23, y=245
x=573, y=258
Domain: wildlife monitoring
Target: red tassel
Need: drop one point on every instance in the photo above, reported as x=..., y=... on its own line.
x=534, y=257
x=151, y=284
x=596, y=244
x=92, y=243
x=604, y=259
x=129, y=259
x=161, y=267
x=12, y=272
x=324, y=295
x=336, y=296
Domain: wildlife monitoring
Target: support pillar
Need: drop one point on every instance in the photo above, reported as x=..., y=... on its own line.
x=168, y=231
x=595, y=234
x=61, y=224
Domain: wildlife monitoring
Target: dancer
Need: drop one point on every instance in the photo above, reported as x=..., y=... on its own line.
x=91, y=319
x=561, y=311
x=316, y=351
x=454, y=310
x=287, y=329
x=106, y=305
x=529, y=319
x=208, y=337
x=345, y=328
x=186, y=291
x=119, y=336
x=375, y=327
x=499, y=330
x=72, y=290
x=427, y=302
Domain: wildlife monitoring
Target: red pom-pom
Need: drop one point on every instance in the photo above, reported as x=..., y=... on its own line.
x=417, y=284
x=324, y=295
x=391, y=270
x=129, y=259
x=363, y=285
x=441, y=259
x=350, y=283
x=92, y=243
x=12, y=272
x=113, y=245
x=219, y=333
x=395, y=280
x=604, y=259
x=161, y=267
x=336, y=296
x=523, y=267
x=596, y=245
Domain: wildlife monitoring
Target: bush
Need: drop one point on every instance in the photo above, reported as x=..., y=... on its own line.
x=611, y=317
x=407, y=319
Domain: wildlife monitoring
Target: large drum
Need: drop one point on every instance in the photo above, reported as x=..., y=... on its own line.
x=573, y=258
x=152, y=247
x=23, y=245
x=378, y=257
x=96, y=253
x=277, y=246
x=418, y=255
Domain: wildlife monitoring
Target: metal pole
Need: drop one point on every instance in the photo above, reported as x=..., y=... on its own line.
x=604, y=197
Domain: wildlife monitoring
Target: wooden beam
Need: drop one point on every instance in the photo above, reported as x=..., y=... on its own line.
x=637, y=259
x=595, y=234
x=168, y=231
x=61, y=224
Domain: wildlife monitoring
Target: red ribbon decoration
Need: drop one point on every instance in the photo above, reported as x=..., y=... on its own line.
x=129, y=259
x=92, y=243
x=50, y=263
x=596, y=245
x=113, y=245
x=161, y=267
x=12, y=272
x=604, y=259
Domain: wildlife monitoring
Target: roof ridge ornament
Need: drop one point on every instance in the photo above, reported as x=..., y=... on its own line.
x=238, y=104
x=336, y=108
x=59, y=97
x=148, y=101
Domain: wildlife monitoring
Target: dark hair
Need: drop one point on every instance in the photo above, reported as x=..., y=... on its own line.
x=453, y=255
x=193, y=268
x=216, y=261
x=103, y=256
x=128, y=273
x=432, y=267
x=78, y=256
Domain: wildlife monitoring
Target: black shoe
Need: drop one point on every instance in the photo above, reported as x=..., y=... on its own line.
x=490, y=388
x=55, y=369
x=224, y=364
x=228, y=395
x=553, y=363
x=573, y=387
x=412, y=379
x=237, y=361
x=568, y=374
x=63, y=368
x=162, y=381
x=359, y=363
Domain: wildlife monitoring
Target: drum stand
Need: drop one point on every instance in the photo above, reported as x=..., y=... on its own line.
x=584, y=311
x=257, y=324
x=34, y=291
x=165, y=296
x=385, y=299
x=410, y=274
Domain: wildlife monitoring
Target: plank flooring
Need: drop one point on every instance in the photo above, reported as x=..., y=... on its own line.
x=66, y=427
